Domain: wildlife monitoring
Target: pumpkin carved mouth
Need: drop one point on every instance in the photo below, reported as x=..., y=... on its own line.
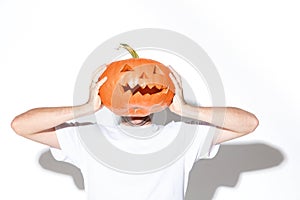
x=147, y=89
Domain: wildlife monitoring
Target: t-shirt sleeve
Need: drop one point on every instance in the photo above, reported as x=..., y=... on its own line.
x=71, y=148
x=206, y=149
x=203, y=146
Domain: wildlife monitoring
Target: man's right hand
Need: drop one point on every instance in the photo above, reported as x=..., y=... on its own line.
x=94, y=101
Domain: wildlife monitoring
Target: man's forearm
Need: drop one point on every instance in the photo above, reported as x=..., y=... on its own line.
x=40, y=119
x=229, y=118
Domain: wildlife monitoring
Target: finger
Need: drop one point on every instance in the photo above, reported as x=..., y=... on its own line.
x=176, y=75
x=176, y=79
x=171, y=75
x=97, y=73
x=176, y=84
x=99, y=69
x=101, y=82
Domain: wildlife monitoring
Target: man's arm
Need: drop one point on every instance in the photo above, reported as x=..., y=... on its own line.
x=232, y=122
x=39, y=124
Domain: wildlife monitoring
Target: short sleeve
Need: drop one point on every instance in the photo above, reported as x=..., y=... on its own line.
x=205, y=138
x=71, y=148
x=203, y=146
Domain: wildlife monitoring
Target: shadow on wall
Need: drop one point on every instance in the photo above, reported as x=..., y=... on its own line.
x=206, y=175
x=225, y=169
x=47, y=161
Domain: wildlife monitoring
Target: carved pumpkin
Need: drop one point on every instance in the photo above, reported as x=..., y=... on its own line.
x=136, y=86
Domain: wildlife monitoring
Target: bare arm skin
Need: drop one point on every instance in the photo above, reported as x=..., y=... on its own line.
x=234, y=122
x=39, y=124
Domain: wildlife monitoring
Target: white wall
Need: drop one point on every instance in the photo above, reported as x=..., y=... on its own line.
x=254, y=44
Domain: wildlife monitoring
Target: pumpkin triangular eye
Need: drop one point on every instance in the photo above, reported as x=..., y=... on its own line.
x=126, y=68
x=157, y=70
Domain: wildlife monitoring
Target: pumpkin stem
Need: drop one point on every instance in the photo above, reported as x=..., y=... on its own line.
x=130, y=50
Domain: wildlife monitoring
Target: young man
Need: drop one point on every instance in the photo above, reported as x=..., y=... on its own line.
x=101, y=182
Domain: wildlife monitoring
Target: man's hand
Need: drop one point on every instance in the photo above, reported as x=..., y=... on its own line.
x=94, y=101
x=178, y=100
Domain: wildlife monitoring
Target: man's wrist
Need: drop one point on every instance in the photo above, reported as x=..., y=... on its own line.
x=83, y=110
x=182, y=110
x=194, y=112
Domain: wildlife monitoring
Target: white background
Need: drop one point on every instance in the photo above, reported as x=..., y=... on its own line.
x=254, y=44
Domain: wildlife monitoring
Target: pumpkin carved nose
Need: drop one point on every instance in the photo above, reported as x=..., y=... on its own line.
x=143, y=76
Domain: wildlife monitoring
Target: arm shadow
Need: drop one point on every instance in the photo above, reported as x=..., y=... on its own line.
x=225, y=169
x=48, y=162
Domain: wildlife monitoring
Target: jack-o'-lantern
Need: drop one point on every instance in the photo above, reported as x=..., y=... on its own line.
x=136, y=86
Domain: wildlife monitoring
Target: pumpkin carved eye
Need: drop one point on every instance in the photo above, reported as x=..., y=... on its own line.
x=126, y=68
x=157, y=70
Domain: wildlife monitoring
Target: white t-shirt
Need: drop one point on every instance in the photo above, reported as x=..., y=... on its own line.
x=103, y=182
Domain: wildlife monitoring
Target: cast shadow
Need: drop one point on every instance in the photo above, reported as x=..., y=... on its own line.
x=226, y=168
x=206, y=175
x=48, y=162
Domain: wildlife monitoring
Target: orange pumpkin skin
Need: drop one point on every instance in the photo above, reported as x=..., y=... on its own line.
x=136, y=87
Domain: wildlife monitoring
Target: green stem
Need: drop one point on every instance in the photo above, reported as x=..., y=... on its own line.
x=130, y=50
